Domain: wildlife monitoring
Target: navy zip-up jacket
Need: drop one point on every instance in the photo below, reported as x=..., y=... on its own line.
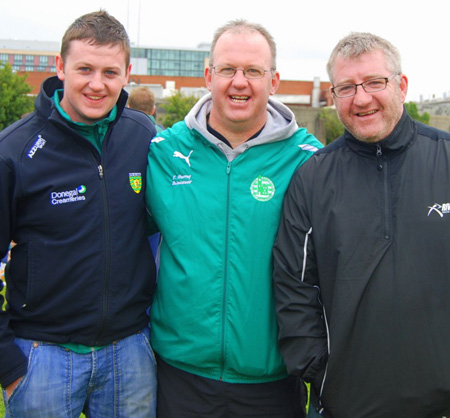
x=82, y=270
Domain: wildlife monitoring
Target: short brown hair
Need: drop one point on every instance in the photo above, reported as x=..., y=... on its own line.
x=99, y=28
x=143, y=99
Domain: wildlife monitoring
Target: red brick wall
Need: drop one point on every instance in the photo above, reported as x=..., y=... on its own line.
x=290, y=87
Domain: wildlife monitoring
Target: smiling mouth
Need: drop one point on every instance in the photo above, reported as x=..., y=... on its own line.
x=94, y=97
x=372, y=112
x=239, y=99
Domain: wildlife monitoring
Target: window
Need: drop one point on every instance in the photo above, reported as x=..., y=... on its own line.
x=172, y=62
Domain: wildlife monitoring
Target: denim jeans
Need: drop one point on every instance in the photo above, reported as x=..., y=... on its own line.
x=117, y=381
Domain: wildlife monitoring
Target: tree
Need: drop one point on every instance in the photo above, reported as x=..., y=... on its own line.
x=177, y=107
x=332, y=124
x=14, y=101
x=411, y=108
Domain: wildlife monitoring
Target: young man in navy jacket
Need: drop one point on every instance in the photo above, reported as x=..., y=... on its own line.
x=74, y=336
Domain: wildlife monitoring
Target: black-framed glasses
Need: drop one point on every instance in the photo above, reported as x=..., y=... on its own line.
x=369, y=86
x=251, y=72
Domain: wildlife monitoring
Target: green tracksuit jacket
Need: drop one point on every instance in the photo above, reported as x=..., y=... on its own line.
x=218, y=210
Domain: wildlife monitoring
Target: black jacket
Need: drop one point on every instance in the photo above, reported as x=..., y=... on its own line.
x=362, y=275
x=82, y=270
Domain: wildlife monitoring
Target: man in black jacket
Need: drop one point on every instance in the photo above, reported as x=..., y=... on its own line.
x=361, y=260
x=74, y=336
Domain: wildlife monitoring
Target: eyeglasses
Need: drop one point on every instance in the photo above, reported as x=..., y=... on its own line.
x=369, y=86
x=251, y=73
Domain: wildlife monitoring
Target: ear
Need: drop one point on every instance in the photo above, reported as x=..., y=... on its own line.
x=208, y=73
x=333, y=97
x=127, y=77
x=275, y=83
x=59, y=64
x=403, y=87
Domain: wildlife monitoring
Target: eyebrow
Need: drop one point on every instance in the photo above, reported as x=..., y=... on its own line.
x=366, y=78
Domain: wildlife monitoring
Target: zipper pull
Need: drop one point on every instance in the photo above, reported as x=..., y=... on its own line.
x=228, y=168
x=379, y=155
x=100, y=171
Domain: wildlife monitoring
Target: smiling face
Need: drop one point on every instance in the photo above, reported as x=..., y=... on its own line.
x=369, y=117
x=93, y=77
x=239, y=105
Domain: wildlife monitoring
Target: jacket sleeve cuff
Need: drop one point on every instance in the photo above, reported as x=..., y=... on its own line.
x=13, y=365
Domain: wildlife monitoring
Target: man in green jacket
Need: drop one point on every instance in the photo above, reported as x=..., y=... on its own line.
x=216, y=183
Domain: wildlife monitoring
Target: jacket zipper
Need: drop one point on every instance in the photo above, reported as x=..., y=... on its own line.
x=100, y=172
x=225, y=275
x=386, y=192
x=107, y=253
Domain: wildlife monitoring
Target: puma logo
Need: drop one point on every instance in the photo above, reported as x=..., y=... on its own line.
x=178, y=154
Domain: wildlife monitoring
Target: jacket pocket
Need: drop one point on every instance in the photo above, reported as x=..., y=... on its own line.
x=46, y=277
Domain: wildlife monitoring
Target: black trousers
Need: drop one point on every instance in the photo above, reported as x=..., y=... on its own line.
x=185, y=395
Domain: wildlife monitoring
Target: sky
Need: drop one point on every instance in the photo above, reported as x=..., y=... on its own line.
x=305, y=32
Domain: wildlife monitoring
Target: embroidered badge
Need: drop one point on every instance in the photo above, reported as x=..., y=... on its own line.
x=135, y=181
x=262, y=189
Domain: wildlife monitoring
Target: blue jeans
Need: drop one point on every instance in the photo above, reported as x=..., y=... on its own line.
x=117, y=381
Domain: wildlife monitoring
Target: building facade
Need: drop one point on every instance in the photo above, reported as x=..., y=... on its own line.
x=171, y=69
x=173, y=62
x=29, y=56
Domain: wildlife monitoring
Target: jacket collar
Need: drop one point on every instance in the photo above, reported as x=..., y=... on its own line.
x=400, y=139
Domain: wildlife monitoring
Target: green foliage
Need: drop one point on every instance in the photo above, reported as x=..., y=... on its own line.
x=177, y=107
x=411, y=108
x=332, y=124
x=2, y=406
x=14, y=101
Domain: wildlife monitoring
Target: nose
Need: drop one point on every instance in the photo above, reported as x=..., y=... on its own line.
x=361, y=97
x=239, y=78
x=96, y=81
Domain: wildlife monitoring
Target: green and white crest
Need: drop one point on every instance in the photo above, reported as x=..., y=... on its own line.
x=262, y=189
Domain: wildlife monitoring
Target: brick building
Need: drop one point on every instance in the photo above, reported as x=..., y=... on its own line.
x=169, y=68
